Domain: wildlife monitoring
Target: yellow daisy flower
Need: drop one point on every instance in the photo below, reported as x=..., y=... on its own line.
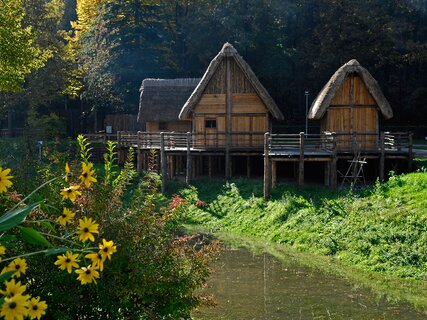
x=67, y=172
x=5, y=182
x=86, y=176
x=87, y=226
x=2, y=251
x=36, y=308
x=15, y=308
x=87, y=275
x=97, y=260
x=13, y=288
x=67, y=261
x=66, y=217
x=107, y=248
x=70, y=193
x=19, y=266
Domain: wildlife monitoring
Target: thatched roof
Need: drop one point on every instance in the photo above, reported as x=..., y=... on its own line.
x=325, y=96
x=162, y=99
x=229, y=51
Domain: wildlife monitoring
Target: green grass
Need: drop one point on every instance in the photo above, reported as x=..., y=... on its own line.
x=382, y=228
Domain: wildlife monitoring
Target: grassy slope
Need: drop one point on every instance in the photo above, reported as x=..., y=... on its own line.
x=381, y=229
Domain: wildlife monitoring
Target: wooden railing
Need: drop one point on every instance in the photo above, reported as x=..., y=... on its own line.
x=327, y=141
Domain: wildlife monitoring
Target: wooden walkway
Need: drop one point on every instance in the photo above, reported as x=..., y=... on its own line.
x=326, y=148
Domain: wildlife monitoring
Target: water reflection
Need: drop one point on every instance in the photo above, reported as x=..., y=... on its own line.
x=248, y=286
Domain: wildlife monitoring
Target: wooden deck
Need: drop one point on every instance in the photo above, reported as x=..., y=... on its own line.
x=326, y=147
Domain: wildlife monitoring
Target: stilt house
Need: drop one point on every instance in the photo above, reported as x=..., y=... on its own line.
x=230, y=108
x=350, y=105
x=161, y=100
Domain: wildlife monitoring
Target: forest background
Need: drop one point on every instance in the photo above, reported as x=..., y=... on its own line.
x=100, y=51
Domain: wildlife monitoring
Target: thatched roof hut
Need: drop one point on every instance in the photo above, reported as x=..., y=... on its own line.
x=228, y=51
x=161, y=100
x=325, y=96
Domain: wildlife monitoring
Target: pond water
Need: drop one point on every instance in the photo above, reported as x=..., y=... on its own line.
x=249, y=286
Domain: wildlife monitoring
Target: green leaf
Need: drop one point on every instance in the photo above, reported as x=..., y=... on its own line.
x=53, y=251
x=14, y=217
x=6, y=276
x=47, y=225
x=32, y=236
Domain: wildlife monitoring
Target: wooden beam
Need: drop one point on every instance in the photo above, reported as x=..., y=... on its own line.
x=248, y=167
x=139, y=160
x=164, y=162
x=333, y=166
x=188, y=173
x=267, y=168
x=382, y=158
x=229, y=123
x=273, y=174
x=327, y=168
x=410, y=151
x=210, y=166
x=301, y=160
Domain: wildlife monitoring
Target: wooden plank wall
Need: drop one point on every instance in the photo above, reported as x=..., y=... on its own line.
x=176, y=126
x=248, y=112
x=353, y=110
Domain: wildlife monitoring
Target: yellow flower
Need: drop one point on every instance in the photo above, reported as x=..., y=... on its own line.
x=36, y=308
x=70, y=193
x=67, y=172
x=87, y=226
x=13, y=288
x=97, y=260
x=66, y=217
x=67, y=261
x=5, y=182
x=2, y=251
x=87, y=275
x=107, y=248
x=87, y=174
x=19, y=266
x=15, y=308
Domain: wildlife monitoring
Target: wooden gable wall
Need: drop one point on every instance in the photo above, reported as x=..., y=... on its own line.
x=353, y=110
x=247, y=113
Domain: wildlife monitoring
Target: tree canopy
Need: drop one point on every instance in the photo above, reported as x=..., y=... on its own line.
x=292, y=45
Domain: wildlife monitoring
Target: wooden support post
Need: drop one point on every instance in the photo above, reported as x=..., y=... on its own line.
x=188, y=173
x=267, y=167
x=163, y=162
x=382, y=157
x=210, y=166
x=139, y=160
x=172, y=160
x=229, y=124
x=273, y=174
x=410, y=151
x=301, y=160
x=333, y=164
x=327, y=167
x=248, y=167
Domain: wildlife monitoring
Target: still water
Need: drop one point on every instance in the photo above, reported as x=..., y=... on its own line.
x=248, y=286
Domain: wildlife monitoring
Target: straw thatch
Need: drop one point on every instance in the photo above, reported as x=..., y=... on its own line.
x=162, y=99
x=325, y=96
x=229, y=51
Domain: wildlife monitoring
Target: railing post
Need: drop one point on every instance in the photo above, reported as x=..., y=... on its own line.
x=333, y=182
x=301, y=160
x=139, y=158
x=188, y=173
x=382, y=156
x=163, y=162
x=267, y=167
x=410, y=150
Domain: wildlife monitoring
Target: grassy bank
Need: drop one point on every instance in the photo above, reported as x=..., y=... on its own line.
x=382, y=228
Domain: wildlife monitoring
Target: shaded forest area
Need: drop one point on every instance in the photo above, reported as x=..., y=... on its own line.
x=99, y=61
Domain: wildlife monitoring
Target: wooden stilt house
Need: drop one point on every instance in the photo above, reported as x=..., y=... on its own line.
x=229, y=108
x=350, y=105
x=161, y=100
